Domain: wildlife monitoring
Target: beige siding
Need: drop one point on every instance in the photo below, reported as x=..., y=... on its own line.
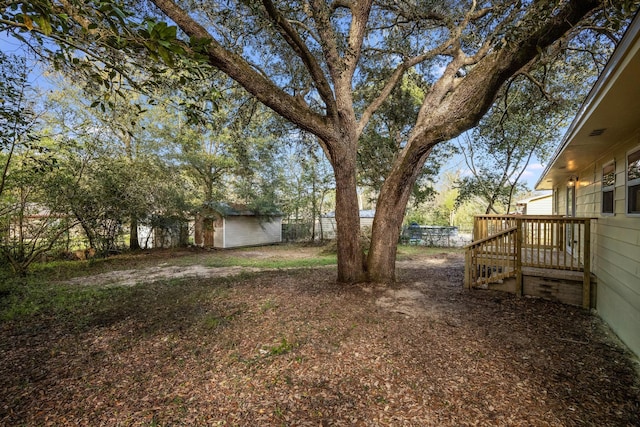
x=329, y=227
x=616, y=245
x=366, y=222
x=562, y=200
x=248, y=231
x=541, y=206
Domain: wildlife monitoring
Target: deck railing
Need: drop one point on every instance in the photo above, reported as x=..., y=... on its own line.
x=492, y=258
x=546, y=242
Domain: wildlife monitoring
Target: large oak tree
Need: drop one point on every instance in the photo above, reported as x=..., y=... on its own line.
x=307, y=60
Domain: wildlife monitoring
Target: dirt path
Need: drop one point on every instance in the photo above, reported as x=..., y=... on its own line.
x=158, y=273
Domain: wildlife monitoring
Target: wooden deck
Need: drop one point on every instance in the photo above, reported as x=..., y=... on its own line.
x=531, y=255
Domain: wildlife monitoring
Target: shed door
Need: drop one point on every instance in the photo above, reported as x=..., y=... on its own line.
x=208, y=232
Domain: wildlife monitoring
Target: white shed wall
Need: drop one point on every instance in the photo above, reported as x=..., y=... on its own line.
x=248, y=231
x=330, y=229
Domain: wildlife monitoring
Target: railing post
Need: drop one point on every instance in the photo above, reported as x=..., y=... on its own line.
x=586, y=285
x=518, y=266
x=467, y=268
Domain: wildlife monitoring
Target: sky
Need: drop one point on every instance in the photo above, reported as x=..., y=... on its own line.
x=529, y=177
x=9, y=45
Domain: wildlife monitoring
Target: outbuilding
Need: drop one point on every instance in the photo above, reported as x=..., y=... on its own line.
x=224, y=225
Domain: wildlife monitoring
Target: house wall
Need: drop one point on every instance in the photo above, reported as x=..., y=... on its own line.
x=235, y=231
x=615, y=244
x=329, y=227
x=541, y=206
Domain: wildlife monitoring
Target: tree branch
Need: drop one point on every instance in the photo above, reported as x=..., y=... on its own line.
x=463, y=107
x=267, y=92
x=321, y=14
x=359, y=18
x=294, y=40
x=393, y=81
x=537, y=83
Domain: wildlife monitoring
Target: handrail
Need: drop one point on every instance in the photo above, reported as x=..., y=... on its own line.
x=486, y=239
x=539, y=241
x=491, y=259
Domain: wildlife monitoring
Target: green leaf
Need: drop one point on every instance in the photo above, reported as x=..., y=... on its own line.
x=165, y=55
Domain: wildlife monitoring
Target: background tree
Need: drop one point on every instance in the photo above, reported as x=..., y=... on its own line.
x=114, y=173
x=30, y=224
x=524, y=124
x=308, y=180
x=17, y=115
x=387, y=134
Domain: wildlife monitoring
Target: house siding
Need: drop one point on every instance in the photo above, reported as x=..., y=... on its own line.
x=330, y=228
x=615, y=243
x=541, y=206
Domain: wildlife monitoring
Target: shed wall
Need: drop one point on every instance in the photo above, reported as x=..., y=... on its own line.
x=248, y=231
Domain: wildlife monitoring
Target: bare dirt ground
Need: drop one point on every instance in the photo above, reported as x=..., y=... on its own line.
x=292, y=347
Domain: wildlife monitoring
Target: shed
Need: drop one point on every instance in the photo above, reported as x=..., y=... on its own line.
x=328, y=222
x=223, y=225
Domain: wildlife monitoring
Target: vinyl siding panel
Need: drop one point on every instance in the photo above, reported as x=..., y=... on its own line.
x=616, y=310
x=366, y=222
x=622, y=274
x=616, y=245
x=330, y=228
x=620, y=228
x=542, y=206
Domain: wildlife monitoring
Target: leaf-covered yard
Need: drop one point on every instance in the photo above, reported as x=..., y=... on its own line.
x=291, y=347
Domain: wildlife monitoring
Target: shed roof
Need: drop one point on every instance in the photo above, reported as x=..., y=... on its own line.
x=534, y=198
x=235, y=209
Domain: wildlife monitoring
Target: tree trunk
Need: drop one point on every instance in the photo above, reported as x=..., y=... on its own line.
x=390, y=210
x=134, y=244
x=350, y=255
x=313, y=204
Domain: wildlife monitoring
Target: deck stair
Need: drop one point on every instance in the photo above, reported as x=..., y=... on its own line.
x=545, y=256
